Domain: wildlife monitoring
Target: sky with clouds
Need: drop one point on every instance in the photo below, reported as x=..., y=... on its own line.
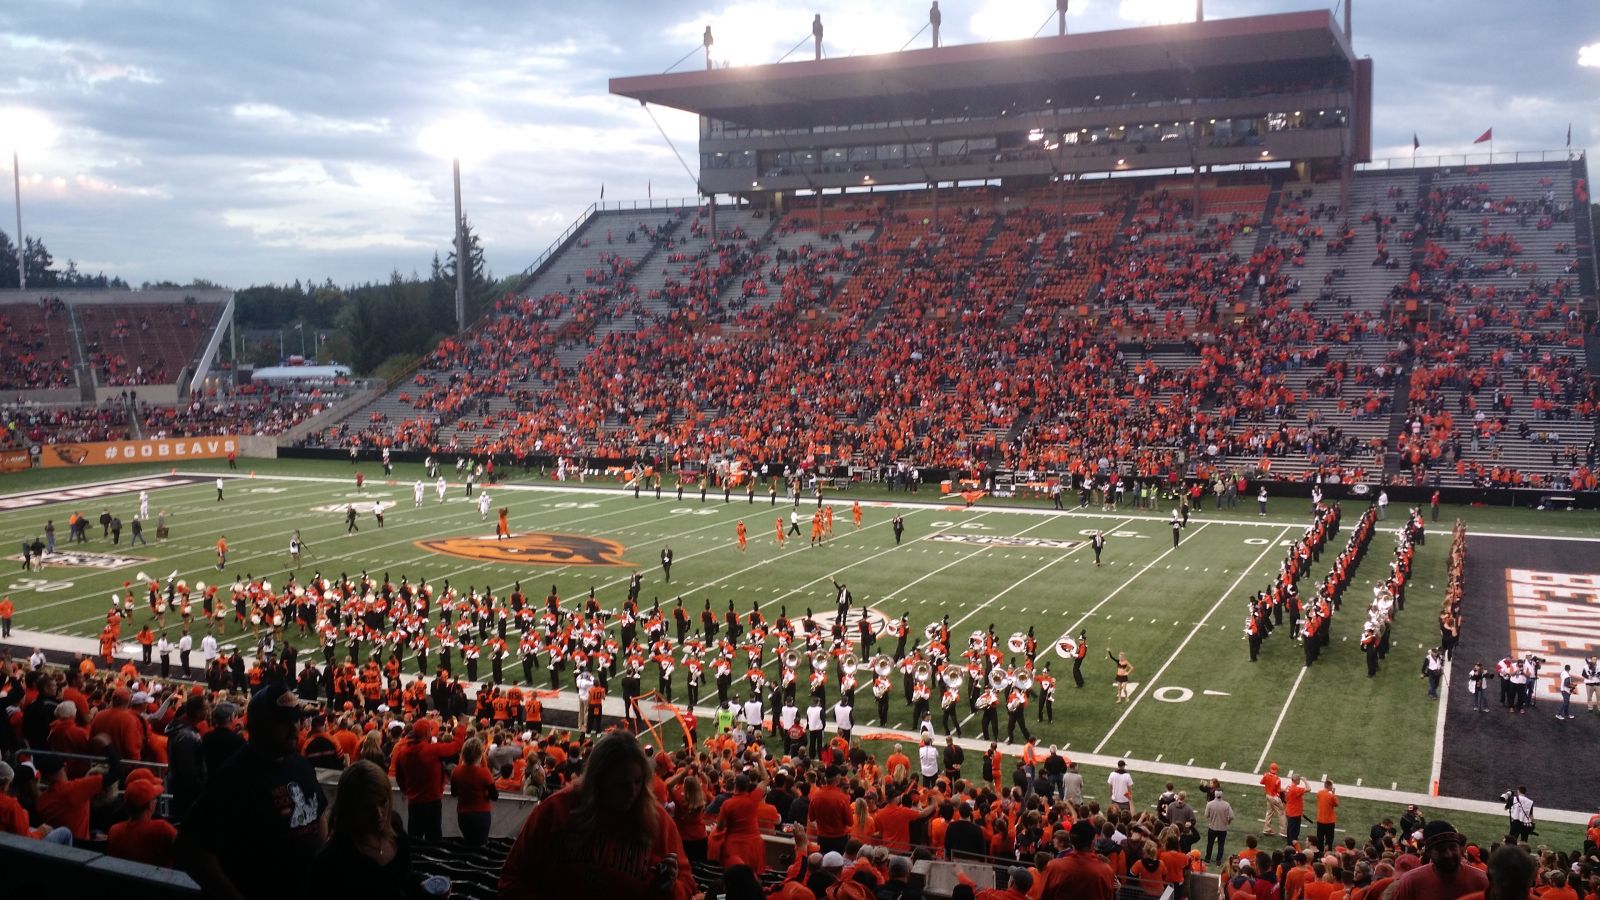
x=292, y=139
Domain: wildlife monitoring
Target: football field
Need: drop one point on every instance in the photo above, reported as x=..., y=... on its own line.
x=1197, y=702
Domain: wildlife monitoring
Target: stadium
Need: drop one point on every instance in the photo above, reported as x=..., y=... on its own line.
x=995, y=407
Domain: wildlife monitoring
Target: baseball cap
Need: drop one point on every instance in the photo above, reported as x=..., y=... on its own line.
x=833, y=859
x=142, y=788
x=276, y=703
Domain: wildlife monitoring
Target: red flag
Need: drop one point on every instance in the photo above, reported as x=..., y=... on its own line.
x=1486, y=136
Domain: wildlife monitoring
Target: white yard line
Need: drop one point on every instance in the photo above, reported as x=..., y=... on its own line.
x=569, y=487
x=1438, y=730
x=1281, y=713
x=1156, y=678
x=1107, y=599
x=1024, y=579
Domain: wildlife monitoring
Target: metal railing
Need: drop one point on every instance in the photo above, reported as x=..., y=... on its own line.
x=602, y=206
x=1470, y=159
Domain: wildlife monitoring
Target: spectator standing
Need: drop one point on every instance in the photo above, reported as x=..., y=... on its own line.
x=260, y=820
x=1121, y=784
x=473, y=787
x=419, y=770
x=186, y=774
x=1327, y=815
x=1081, y=874
x=223, y=740
x=1219, y=815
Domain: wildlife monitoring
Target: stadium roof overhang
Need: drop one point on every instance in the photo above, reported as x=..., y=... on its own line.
x=948, y=81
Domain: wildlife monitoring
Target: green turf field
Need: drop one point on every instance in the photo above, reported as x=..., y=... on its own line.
x=1177, y=613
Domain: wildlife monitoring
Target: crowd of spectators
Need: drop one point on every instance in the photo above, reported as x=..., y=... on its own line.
x=1019, y=335
x=37, y=354
x=92, y=751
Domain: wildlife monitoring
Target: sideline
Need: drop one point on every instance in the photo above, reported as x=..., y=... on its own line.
x=568, y=700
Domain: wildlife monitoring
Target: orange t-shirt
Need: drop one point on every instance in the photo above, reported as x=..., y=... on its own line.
x=1320, y=890
x=894, y=823
x=1327, y=806
x=1294, y=803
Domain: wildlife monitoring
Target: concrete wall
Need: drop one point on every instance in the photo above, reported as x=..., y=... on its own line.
x=67, y=396
x=160, y=394
x=255, y=446
x=37, y=869
x=505, y=818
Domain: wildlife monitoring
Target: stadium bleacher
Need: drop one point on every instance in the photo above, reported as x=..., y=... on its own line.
x=1271, y=332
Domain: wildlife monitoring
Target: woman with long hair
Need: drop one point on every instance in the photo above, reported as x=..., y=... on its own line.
x=367, y=851
x=865, y=827
x=472, y=784
x=688, y=791
x=604, y=835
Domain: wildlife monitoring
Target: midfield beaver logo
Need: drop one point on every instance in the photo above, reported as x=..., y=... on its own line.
x=538, y=549
x=71, y=454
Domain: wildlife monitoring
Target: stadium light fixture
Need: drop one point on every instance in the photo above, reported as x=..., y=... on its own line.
x=23, y=131
x=472, y=137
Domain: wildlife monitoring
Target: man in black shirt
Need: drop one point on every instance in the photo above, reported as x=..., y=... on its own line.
x=963, y=837
x=260, y=820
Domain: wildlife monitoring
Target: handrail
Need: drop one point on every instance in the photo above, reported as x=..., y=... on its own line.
x=555, y=245
x=601, y=206
x=1566, y=154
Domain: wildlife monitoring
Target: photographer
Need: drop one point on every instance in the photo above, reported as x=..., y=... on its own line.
x=1520, y=807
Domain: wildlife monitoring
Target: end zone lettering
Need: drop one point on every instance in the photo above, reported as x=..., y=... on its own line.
x=74, y=559
x=1554, y=615
x=997, y=540
x=94, y=491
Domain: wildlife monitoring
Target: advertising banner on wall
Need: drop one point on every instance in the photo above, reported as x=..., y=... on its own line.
x=104, y=453
x=15, y=461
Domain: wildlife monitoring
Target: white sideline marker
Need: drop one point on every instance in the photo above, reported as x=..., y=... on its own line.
x=1358, y=781
x=1189, y=763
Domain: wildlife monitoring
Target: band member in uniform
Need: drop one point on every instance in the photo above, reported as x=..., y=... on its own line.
x=988, y=707
x=920, y=694
x=1016, y=713
x=950, y=700
x=1047, y=694
x=880, y=690
x=1077, y=658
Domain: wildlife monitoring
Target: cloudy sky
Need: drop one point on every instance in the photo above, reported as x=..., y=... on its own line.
x=294, y=139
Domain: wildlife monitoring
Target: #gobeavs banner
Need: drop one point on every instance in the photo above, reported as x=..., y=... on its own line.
x=104, y=453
